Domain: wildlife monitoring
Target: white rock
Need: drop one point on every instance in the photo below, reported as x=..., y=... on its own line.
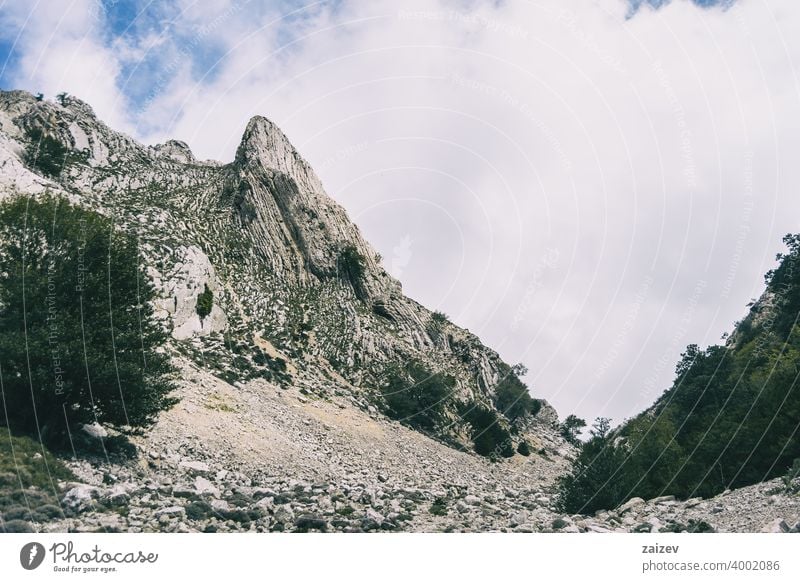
x=80, y=497
x=195, y=467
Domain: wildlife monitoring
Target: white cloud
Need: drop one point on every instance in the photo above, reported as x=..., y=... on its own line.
x=588, y=193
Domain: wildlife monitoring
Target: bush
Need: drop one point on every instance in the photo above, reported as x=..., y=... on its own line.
x=45, y=153
x=791, y=481
x=489, y=436
x=594, y=482
x=16, y=526
x=352, y=268
x=205, y=302
x=571, y=429
x=93, y=350
x=524, y=449
x=439, y=317
x=416, y=396
x=512, y=397
x=439, y=506
x=30, y=464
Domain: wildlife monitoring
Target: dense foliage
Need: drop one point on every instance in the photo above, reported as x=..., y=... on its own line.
x=512, y=397
x=205, y=303
x=489, y=435
x=78, y=341
x=416, y=396
x=730, y=419
x=45, y=153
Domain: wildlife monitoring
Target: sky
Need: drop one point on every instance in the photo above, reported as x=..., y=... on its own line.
x=588, y=185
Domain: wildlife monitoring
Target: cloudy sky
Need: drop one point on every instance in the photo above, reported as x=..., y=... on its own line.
x=589, y=185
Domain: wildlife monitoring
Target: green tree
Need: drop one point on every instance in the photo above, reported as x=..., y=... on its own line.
x=416, y=396
x=78, y=341
x=205, y=302
x=45, y=153
x=512, y=397
x=489, y=436
x=571, y=428
x=595, y=480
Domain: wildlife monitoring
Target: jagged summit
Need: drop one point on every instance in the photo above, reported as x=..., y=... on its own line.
x=265, y=143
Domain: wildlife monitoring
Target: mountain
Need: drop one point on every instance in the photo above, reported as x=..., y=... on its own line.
x=297, y=294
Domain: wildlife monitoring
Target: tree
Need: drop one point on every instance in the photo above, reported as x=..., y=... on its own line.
x=205, y=302
x=595, y=480
x=78, y=341
x=571, y=428
x=489, y=436
x=512, y=397
x=416, y=396
x=45, y=153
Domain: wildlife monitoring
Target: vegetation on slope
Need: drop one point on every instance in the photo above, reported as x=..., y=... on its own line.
x=730, y=419
x=78, y=341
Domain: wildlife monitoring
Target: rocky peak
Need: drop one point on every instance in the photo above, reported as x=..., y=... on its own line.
x=264, y=143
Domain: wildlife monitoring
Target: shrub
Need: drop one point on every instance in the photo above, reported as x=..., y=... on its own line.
x=512, y=397
x=524, y=449
x=439, y=317
x=205, y=302
x=439, y=506
x=791, y=481
x=45, y=153
x=352, y=267
x=30, y=464
x=416, y=396
x=93, y=349
x=198, y=510
x=571, y=428
x=489, y=437
x=594, y=481
x=16, y=526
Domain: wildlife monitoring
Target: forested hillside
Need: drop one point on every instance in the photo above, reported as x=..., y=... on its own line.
x=730, y=419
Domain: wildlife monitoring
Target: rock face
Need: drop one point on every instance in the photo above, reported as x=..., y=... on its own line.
x=275, y=251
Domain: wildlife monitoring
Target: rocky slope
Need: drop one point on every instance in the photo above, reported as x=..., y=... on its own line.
x=260, y=458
